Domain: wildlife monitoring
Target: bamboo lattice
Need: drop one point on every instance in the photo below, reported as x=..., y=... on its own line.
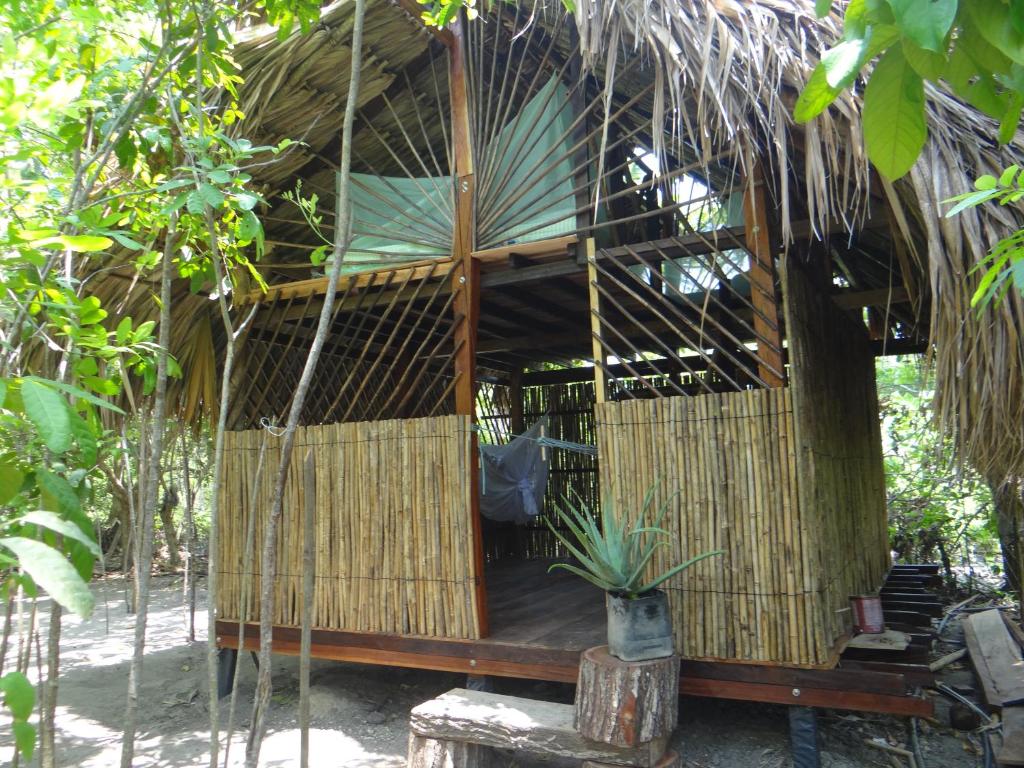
x=394, y=539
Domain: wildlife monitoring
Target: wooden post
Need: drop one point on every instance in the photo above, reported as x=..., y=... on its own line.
x=762, y=279
x=516, y=420
x=600, y=391
x=466, y=287
x=581, y=157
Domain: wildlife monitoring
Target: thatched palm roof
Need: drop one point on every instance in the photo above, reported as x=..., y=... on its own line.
x=726, y=74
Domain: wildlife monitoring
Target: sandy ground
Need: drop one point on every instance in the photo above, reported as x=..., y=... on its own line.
x=360, y=712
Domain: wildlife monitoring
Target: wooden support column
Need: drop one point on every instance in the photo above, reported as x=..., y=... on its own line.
x=516, y=420
x=762, y=279
x=581, y=157
x=466, y=287
x=600, y=390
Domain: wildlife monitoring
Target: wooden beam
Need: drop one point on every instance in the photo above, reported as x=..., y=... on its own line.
x=835, y=689
x=600, y=388
x=762, y=279
x=879, y=297
x=466, y=286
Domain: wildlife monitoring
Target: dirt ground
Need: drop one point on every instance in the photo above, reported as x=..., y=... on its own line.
x=360, y=712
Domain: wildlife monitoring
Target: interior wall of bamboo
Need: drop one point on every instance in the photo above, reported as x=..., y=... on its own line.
x=840, y=464
x=725, y=465
x=394, y=537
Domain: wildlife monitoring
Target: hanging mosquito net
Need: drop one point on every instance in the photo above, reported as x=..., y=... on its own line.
x=514, y=477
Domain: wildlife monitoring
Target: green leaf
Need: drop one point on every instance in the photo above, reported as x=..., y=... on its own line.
x=927, y=64
x=843, y=61
x=48, y=412
x=3, y=392
x=248, y=227
x=194, y=203
x=86, y=243
x=101, y=385
x=822, y=7
x=986, y=182
x=19, y=695
x=81, y=393
x=11, y=479
x=815, y=97
x=246, y=200
x=127, y=242
x=24, y=737
x=990, y=19
x=211, y=195
x=123, y=331
x=58, y=524
x=1006, y=178
x=925, y=22
x=969, y=200
x=86, y=439
x=893, y=115
x=56, y=493
x=52, y=571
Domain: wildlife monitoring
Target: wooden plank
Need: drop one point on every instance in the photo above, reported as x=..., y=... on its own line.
x=917, y=675
x=996, y=658
x=509, y=722
x=840, y=679
x=762, y=278
x=927, y=609
x=557, y=245
x=856, y=701
x=1012, y=751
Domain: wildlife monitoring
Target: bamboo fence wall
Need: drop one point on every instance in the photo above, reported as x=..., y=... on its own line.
x=726, y=466
x=789, y=482
x=840, y=464
x=394, y=538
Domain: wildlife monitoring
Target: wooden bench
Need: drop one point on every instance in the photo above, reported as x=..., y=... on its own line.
x=462, y=728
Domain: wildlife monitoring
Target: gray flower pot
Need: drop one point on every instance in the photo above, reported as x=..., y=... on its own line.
x=641, y=628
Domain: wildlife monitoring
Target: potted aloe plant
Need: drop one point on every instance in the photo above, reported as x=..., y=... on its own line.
x=613, y=555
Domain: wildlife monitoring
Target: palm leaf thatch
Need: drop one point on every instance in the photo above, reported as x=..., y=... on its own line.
x=731, y=71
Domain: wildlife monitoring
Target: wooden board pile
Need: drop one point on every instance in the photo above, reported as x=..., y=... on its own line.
x=994, y=645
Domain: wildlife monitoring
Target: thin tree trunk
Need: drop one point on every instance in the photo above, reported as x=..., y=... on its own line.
x=189, y=586
x=144, y=553
x=8, y=623
x=47, y=751
x=264, y=685
x=244, y=597
x=308, y=569
x=167, y=523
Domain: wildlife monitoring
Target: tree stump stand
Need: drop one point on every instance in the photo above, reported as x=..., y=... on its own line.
x=626, y=703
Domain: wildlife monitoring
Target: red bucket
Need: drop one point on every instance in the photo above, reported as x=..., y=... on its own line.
x=867, y=614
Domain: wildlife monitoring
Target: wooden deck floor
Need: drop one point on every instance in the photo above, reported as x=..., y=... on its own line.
x=526, y=605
